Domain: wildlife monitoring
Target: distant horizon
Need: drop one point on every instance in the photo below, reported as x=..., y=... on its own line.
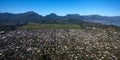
x=57, y=14
x=63, y=7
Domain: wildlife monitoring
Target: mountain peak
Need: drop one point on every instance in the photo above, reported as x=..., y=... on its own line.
x=53, y=14
x=30, y=12
x=73, y=16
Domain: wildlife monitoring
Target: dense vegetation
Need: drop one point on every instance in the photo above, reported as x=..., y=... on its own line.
x=7, y=26
x=52, y=26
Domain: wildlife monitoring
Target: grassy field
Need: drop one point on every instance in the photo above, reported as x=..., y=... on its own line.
x=49, y=26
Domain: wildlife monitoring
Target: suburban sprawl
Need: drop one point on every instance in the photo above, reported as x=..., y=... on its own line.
x=60, y=44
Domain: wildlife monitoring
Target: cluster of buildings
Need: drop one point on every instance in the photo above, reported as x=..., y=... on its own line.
x=60, y=44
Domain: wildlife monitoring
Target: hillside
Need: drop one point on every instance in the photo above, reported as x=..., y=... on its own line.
x=32, y=16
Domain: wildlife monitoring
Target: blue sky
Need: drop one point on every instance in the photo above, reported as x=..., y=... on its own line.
x=62, y=7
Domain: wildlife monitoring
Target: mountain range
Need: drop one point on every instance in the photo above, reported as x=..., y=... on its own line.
x=32, y=16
